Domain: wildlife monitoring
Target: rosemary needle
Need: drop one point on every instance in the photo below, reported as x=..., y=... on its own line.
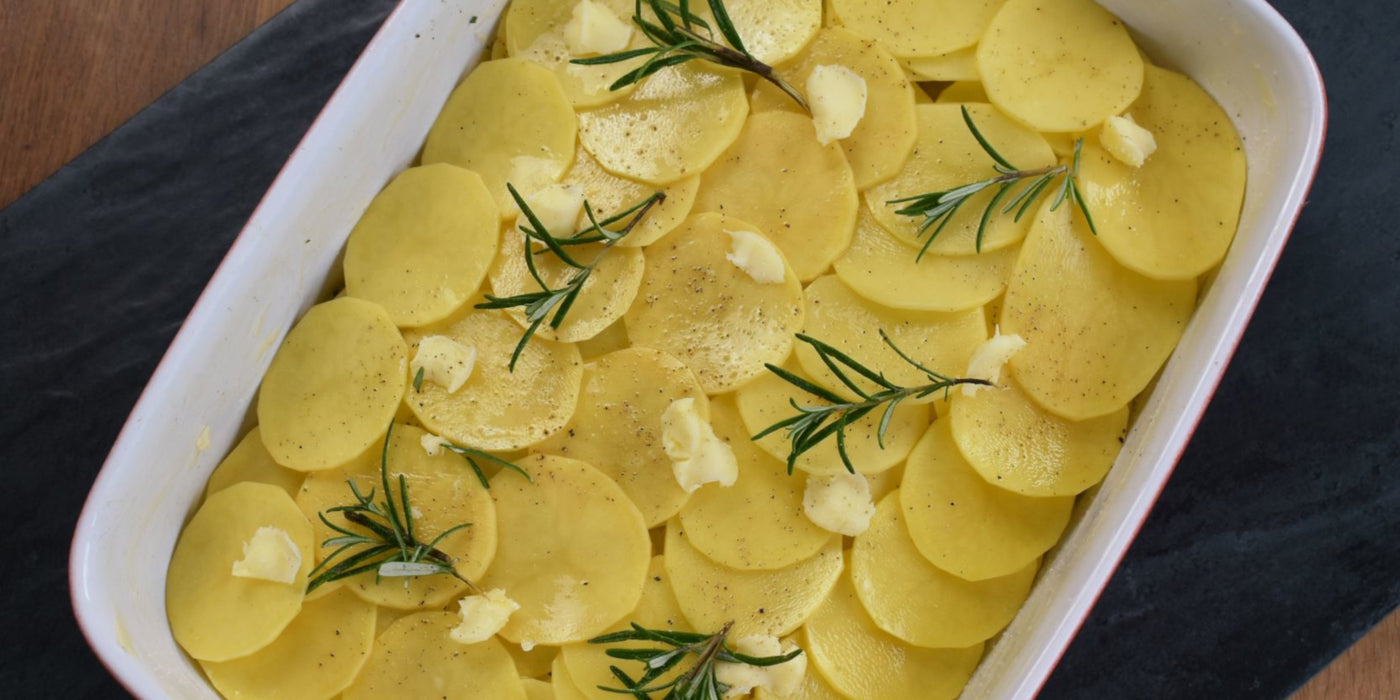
x=699, y=682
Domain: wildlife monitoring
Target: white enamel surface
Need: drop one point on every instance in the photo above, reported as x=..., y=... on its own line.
x=1240, y=50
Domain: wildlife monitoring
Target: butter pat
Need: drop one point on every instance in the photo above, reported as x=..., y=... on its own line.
x=1126, y=141
x=698, y=456
x=270, y=555
x=782, y=680
x=756, y=256
x=594, y=29
x=557, y=207
x=837, y=98
x=989, y=358
x=482, y=616
x=433, y=444
x=530, y=174
x=839, y=503
x=444, y=361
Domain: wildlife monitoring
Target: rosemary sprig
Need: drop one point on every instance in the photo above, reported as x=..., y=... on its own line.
x=549, y=304
x=814, y=424
x=418, y=379
x=938, y=208
x=679, y=36
x=698, y=682
x=471, y=456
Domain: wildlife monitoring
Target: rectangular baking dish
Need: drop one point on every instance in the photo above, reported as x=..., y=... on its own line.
x=198, y=400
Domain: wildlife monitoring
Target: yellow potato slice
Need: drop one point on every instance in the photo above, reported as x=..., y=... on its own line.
x=609, y=194
x=946, y=156
x=333, y=386
x=1174, y=217
x=773, y=177
x=422, y=248
x=1059, y=65
x=536, y=689
x=498, y=409
x=610, y=339
x=840, y=318
x=573, y=551
x=534, y=663
x=962, y=92
x=445, y=493
x=704, y=310
x=509, y=121
x=606, y=295
x=966, y=526
x=562, y=683
x=618, y=426
x=673, y=126
x=957, y=65
x=884, y=138
x=1093, y=345
x=773, y=30
x=758, y=523
x=249, y=461
x=1021, y=447
x=535, y=32
x=860, y=660
x=499, y=49
x=757, y=602
x=214, y=615
x=911, y=28
x=885, y=270
x=921, y=604
x=767, y=400
x=415, y=658
x=316, y=657
x=813, y=687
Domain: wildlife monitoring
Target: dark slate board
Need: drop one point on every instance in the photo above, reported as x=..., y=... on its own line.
x=1273, y=548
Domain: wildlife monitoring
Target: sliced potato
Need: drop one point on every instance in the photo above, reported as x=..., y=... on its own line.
x=535, y=32
x=249, y=461
x=536, y=689
x=534, y=663
x=957, y=65
x=609, y=194
x=333, y=386
x=774, y=30
x=963, y=92
x=610, y=339
x=910, y=28
x=415, y=658
x=813, y=687
x=562, y=683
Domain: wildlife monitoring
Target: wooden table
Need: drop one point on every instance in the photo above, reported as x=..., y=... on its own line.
x=85, y=66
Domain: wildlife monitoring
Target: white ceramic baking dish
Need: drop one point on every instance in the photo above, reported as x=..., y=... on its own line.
x=197, y=403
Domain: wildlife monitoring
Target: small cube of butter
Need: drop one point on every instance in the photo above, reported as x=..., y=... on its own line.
x=781, y=680
x=1126, y=141
x=756, y=256
x=698, y=456
x=594, y=29
x=557, y=207
x=837, y=98
x=989, y=358
x=444, y=362
x=483, y=616
x=839, y=502
x=270, y=555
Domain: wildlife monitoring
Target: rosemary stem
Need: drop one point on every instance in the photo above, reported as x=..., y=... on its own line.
x=431, y=552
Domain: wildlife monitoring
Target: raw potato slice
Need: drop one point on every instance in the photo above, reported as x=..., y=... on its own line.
x=958, y=65
x=911, y=28
x=1174, y=217
x=838, y=317
x=813, y=687
x=1095, y=344
x=966, y=526
x=422, y=248
x=535, y=32
x=317, y=656
x=946, y=156
x=860, y=660
x=758, y=523
x=767, y=400
x=606, y=295
x=703, y=309
x=534, y=663
x=1021, y=447
x=415, y=658
x=758, y=602
x=963, y=92
x=563, y=684
x=617, y=426
x=773, y=30
x=536, y=689
x=888, y=272
x=796, y=191
x=214, y=615
x=674, y=126
x=249, y=461
x=610, y=339
x=499, y=49
x=509, y=121
x=884, y=137
x=609, y=194
x=1059, y=65
x=333, y=386
x=498, y=409
x=921, y=604
x=573, y=551
x=444, y=492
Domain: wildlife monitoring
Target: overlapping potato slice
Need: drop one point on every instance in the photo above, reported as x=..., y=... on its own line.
x=673, y=126
x=860, y=660
x=333, y=386
x=946, y=156
x=573, y=551
x=316, y=656
x=1059, y=65
x=422, y=247
x=957, y=65
x=796, y=191
x=610, y=339
x=1174, y=217
x=966, y=526
x=249, y=461
x=535, y=32
x=510, y=122
x=1095, y=343
x=562, y=683
x=962, y=92
x=774, y=30
x=910, y=28
x=706, y=311
x=617, y=426
x=444, y=493
x=848, y=322
x=214, y=615
x=534, y=663
x=813, y=687
x=1021, y=447
x=498, y=409
x=415, y=658
x=536, y=689
x=609, y=194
